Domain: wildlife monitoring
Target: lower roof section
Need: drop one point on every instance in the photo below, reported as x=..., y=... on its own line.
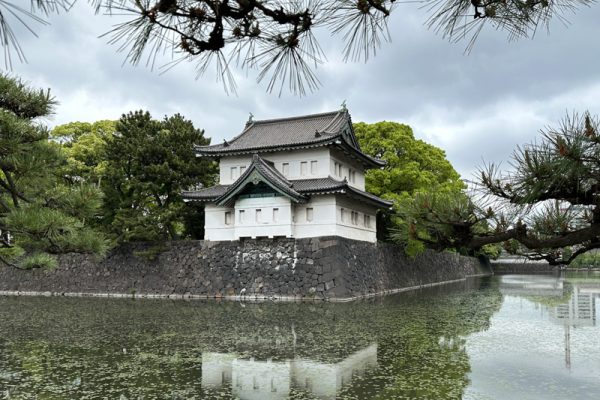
x=306, y=187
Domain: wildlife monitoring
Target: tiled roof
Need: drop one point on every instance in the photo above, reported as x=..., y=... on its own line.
x=266, y=170
x=307, y=131
x=207, y=194
x=304, y=187
x=282, y=133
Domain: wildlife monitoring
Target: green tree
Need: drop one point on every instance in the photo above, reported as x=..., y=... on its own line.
x=84, y=144
x=413, y=167
x=148, y=164
x=40, y=212
x=546, y=208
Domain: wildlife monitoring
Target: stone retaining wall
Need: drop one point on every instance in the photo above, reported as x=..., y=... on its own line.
x=522, y=267
x=319, y=268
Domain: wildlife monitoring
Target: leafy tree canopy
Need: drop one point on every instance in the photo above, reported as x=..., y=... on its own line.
x=412, y=164
x=148, y=164
x=277, y=37
x=41, y=213
x=84, y=144
x=546, y=207
x=413, y=167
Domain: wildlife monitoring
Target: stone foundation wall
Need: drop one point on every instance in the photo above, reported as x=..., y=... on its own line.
x=318, y=268
x=522, y=268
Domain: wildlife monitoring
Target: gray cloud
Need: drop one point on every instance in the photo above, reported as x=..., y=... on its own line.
x=473, y=106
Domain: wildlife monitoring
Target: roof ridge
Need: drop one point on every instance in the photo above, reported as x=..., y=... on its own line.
x=271, y=168
x=334, y=120
x=307, y=116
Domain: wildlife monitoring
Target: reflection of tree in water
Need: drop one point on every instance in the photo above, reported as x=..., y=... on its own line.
x=426, y=357
x=153, y=349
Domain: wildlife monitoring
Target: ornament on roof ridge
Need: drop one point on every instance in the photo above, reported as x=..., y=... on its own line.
x=343, y=106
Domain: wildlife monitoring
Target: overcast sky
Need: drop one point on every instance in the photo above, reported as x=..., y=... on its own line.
x=475, y=107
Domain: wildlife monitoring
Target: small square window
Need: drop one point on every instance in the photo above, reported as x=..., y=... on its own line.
x=309, y=214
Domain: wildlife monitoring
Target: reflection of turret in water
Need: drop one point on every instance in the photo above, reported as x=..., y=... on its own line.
x=270, y=380
x=579, y=311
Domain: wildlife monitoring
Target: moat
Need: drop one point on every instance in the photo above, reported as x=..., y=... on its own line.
x=501, y=337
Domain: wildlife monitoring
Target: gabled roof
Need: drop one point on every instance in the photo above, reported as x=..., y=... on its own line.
x=304, y=187
x=259, y=171
x=307, y=131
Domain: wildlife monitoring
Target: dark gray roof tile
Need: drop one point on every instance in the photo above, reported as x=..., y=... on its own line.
x=283, y=132
x=297, y=187
x=207, y=194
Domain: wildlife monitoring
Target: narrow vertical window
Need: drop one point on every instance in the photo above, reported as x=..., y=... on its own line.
x=285, y=169
x=273, y=387
x=343, y=215
x=242, y=169
x=367, y=221
x=303, y=168
x=354, y=217
x=309, y=214
x=275, y=214
x=233, y=173
x=258, y=215
x=352, y=175
x=339, y=172
x=308, y=385
x=241, y=215
x=228, y=218
x=313, y=167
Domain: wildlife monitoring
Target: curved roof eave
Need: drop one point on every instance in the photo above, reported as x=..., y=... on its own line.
x=260, y=170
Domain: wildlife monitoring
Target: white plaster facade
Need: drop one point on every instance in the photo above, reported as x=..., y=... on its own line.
x=307, y=180
x=299, y=164
x=328, y=215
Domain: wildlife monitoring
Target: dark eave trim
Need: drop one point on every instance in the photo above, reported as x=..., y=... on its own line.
x=250, y=150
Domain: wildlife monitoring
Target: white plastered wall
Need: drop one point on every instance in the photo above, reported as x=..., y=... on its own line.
x=293, y=158
x=214, y=223
x=269, y=223
x=323, y=217
x=347, y=165
x=292, y=219
x=327, y=218
x=358, y=231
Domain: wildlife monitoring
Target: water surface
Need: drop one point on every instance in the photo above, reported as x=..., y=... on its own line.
x=505, y=337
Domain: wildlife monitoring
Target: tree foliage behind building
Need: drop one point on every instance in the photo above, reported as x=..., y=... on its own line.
x=141, y=165
x=413, y=167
